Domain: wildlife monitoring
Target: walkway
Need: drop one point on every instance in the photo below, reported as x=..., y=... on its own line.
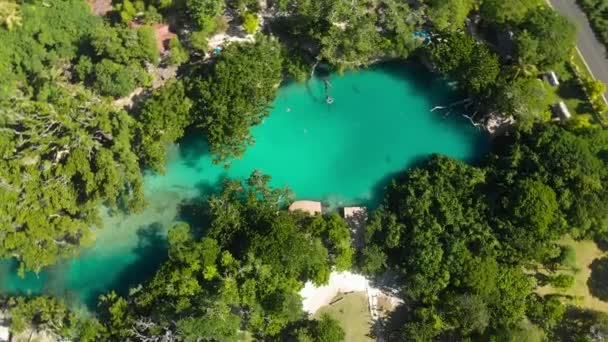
x=592, y=50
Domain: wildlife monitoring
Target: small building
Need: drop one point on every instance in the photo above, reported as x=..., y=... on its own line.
x=551, y=78
x=561, y=110
x=310, y=207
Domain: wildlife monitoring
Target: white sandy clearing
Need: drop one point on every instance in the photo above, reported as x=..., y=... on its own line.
x=30, y=335
x=221, y=39
x=160, y=76
x=314, y=297
x=311, y=207
x=4, y=333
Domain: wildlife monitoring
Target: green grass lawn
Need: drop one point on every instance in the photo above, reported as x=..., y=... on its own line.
x=244, y=336
x=570, y=91
x=578, y=60
x=579, y=294
x=353, y=314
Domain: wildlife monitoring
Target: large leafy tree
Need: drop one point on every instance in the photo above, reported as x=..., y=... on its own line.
x=547, y=38
x=47, y=39
x=459, y=237
x=236, y=94
x=10, y=14
x=243, y=273
x=570, y=163
x=354, y=45
x=449, y=15
x=349, y=35
x=471, y=63
x=527, y=99
x=60, y=160
x=204, y=12
x=511, y=12
x=162, y=118
x=117, y=65
x=423, y=208
x=52, y=316
x=117, y=80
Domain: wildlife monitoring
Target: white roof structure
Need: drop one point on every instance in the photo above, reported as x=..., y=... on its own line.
x=552, y=78
x=562, y=111
x=4, y=333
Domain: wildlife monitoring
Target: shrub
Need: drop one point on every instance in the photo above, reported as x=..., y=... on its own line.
x=250, y=23
x=118, y=80
x=178, y=53
x=562, y=281
x=567, y=258
x=198, y=41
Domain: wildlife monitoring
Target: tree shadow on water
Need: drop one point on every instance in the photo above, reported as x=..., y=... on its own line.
x=150, y=253
x=380, y=188
x=193, y=146
x=598, y=280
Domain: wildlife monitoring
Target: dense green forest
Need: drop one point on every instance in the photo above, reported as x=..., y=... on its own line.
x=460, y=237
x=463, y=240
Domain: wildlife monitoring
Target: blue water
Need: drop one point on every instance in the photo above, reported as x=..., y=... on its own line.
x=344, y=153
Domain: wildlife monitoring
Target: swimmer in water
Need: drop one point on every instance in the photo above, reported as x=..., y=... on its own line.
x=288, y=110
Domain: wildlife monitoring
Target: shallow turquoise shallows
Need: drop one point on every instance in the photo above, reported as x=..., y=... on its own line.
x=344, y=153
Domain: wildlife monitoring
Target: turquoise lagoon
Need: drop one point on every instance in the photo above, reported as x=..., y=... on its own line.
x=344, y=153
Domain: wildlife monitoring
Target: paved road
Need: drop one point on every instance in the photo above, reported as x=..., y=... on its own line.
x=591, y=48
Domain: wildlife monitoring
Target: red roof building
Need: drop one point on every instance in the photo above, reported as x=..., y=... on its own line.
x=162, y=33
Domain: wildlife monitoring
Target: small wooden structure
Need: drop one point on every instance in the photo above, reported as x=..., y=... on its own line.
x=561, y=110
x=310, y=207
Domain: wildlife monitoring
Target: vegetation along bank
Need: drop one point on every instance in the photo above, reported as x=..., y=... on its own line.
x=92, y=93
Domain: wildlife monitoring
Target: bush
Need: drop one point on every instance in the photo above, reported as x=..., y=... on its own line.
x=147, y=45
x=562, y=281
x=198, y=41
x=117, y=80
x=598, y=280
x=567, y=258
x=250, y=23
x=178, y=53
x=83, y=68
x=296, y=67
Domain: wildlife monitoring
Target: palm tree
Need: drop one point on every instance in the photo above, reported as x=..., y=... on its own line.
x=10, y=13
x=525, y=69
